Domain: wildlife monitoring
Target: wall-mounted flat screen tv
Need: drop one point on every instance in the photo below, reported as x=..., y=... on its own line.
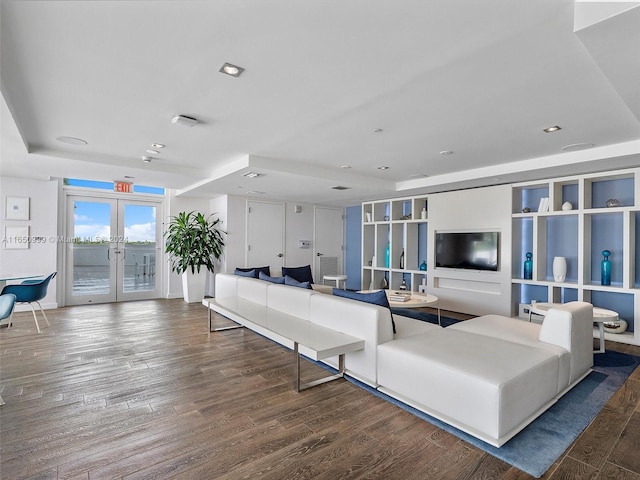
x=468, y=250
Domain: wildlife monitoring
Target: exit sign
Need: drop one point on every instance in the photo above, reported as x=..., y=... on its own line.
x=123, y=187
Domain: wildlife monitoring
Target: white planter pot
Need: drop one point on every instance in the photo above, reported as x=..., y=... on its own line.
x=559, y=269
x=193, y=285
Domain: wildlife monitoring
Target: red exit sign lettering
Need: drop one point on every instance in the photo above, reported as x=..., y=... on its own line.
x=122, y=187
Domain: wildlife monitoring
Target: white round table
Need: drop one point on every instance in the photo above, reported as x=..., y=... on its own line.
x=416, y=300
x=337, y=279
x=600, y=316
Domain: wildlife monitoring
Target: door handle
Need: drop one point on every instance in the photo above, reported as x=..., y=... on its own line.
x=319, y=254
x=280, y=255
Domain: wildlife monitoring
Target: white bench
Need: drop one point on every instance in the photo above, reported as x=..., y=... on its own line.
x=282, y=314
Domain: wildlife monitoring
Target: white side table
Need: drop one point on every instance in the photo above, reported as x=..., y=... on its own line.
x=337, y=279
x=600, y=316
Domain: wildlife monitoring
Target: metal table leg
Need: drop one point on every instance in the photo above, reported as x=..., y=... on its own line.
x=304, y=386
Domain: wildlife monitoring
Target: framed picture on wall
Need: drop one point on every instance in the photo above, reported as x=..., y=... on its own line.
x=16, y=208
x=16, y=238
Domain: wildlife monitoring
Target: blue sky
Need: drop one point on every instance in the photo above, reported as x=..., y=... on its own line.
x=92, y=218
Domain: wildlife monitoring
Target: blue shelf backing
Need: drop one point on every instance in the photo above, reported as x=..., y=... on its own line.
x=562, y=241
x=618, y=302
x=621, y=188
x=637, y=257
x=531, y=197
x=606, y=234
x=570, y=194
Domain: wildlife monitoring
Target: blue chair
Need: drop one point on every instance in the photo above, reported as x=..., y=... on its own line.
x=7, y=302
x=30, y=291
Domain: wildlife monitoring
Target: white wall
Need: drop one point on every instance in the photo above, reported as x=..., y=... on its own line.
x=475, y=209
x=41, y=256
x=232, y=210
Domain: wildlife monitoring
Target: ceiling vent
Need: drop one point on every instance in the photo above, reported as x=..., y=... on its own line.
x=252, y=175
x=340, y=187
x=184, y=120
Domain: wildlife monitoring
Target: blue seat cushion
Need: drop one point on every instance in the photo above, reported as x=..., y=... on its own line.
x=377, y=298
x=292, y=282
x=267, y=278
x=301, y=274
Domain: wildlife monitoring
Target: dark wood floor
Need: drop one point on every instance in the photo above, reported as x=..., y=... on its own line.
x=143, y=390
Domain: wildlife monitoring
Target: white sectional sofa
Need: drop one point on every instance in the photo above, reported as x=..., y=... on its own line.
x=490, y=376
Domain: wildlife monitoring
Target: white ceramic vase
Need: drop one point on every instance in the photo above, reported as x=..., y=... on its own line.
x=559, y=269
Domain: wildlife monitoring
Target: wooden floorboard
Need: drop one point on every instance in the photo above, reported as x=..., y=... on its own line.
x=142, y=390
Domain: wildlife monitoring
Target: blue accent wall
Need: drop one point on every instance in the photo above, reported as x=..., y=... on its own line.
x=353, y=247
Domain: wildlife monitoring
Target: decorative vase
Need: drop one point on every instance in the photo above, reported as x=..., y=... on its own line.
x=386, y=257
x=528, y=266
x=402, y=259
x=559, y=269
x=567, y=206
x=423, y=266
x=605, y=268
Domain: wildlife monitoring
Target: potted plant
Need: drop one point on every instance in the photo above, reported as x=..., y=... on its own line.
x=193, y=241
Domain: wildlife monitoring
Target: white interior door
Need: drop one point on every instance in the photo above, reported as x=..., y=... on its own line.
x=111, y=255
x=265, y=235
x=328, y=242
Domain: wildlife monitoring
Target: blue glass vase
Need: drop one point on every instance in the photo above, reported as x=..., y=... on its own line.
x=423, y=266
x=605, y=268
x=528, y=266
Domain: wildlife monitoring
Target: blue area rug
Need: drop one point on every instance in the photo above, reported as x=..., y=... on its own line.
x=542, y=442
x=425, y=317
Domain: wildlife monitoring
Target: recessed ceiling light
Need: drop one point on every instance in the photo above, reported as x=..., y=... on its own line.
x=346, y=167
x=340, y=187
x=232, y=70
x=153, y=152
x=146, y=159
x=555, y=128
x=184, y=120
x=157, y=145
x=446, y=152
x=252, y=174
x=378, y=130
x=72, y=140
x=383, y=167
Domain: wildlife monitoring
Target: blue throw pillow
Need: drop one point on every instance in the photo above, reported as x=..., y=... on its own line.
x=377, y=298
x=255, y=270
x=301, y=274
x=294, y=283
x=245, y=273
x=278, y=280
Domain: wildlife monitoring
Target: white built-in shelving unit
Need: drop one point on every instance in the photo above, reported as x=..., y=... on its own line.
x=580, y=234
x=399, y=224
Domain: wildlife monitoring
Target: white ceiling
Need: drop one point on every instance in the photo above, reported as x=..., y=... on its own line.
x=481, y=79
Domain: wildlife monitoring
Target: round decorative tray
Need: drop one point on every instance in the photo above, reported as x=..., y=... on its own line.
x=618, y=326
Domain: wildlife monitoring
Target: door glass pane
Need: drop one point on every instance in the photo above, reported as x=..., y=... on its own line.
x=140, y=248
x=91, y=233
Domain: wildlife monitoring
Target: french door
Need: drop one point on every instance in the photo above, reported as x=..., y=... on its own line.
x=112, y=250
